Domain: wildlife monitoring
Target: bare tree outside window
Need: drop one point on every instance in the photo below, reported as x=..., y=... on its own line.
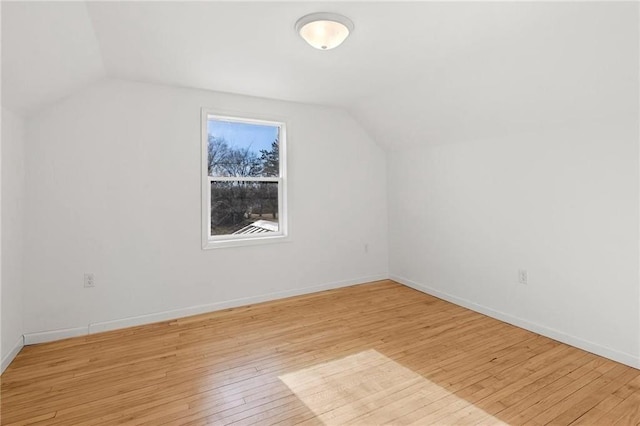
x=243, y=160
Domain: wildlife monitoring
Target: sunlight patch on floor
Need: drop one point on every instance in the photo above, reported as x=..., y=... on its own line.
x=369, y=388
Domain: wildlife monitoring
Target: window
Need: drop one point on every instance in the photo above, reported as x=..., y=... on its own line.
x=243, y=188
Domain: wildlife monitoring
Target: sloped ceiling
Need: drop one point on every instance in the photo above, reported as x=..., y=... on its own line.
x=411, y=72
x=49, y=51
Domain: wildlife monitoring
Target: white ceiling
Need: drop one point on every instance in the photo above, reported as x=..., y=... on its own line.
x=49, y=51
x=411, y=71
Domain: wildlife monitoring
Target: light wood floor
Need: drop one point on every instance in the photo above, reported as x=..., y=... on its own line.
x=379, y=353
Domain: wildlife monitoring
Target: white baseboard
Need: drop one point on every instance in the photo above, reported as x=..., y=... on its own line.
x=52, y=335
x=6, y=360
x=622, y=357
x=203, y=309
x=49, y=336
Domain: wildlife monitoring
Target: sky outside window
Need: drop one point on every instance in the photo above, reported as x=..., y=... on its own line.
x=256, y=137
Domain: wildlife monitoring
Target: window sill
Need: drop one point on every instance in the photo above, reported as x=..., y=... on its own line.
x=241, y=242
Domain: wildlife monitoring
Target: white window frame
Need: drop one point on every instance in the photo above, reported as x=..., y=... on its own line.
x=219, y=241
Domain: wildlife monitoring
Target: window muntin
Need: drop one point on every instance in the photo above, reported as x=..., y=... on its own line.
x=244, y=197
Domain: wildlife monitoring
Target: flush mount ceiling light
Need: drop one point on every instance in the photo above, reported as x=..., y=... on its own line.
x=323, y=30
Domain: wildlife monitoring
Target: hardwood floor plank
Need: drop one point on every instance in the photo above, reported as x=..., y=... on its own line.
x=378, y=353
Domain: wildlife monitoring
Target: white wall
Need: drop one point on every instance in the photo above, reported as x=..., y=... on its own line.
x=113, y=188
x=549, y=184
x=561, y=203
x=12, y=234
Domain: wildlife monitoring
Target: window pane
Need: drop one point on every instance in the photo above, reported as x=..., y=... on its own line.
x=241, y=207
x=243, y=149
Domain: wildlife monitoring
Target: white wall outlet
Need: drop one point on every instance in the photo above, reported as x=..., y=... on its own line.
x=89, y=280
x=366, y=247
x=523, y=277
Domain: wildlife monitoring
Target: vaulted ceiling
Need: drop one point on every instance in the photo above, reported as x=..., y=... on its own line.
x=411, y=72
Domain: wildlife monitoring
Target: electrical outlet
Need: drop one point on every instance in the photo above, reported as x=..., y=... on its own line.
x=89, y=280
x=523, y=277
x=366, y=248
